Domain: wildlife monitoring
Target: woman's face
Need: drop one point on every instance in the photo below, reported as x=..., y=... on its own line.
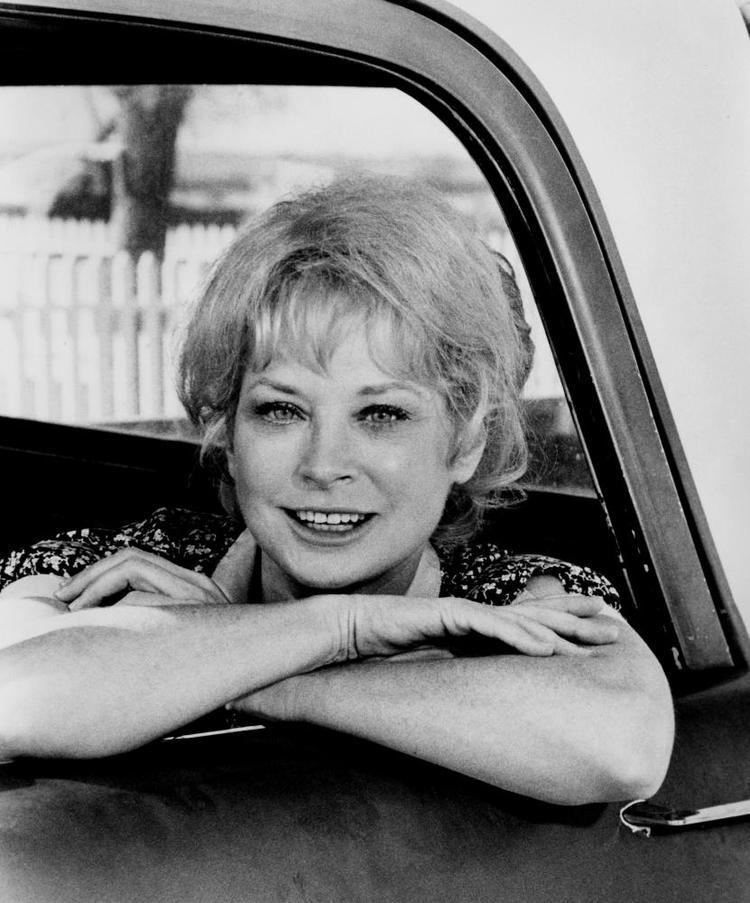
x=341, y=475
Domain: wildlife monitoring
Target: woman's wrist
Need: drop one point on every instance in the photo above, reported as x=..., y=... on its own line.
x=334, y=611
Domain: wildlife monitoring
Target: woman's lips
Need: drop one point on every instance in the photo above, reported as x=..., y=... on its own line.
x=328, y=521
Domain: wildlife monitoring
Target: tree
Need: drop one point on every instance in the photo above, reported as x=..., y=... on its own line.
x=126, y=173
x=143, y=172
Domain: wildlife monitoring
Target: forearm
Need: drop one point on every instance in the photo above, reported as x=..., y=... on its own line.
x=563, y=729
x=102, y=681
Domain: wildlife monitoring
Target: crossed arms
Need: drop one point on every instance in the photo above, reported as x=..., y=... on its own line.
x=572, y=709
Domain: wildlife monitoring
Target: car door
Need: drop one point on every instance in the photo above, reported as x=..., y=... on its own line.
x=301, y=814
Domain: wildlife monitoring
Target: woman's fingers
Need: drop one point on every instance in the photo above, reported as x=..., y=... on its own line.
x=384, y=625
x=378, y=628
x=530, y=629
x=582, y=606
x=132, y=569
x=72, y=587
x=144, y=577
x=580, y=618
x=588, y=630
x=233, y=573
x=528, y=635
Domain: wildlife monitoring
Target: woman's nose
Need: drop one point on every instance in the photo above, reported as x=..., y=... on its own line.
x=327, y=455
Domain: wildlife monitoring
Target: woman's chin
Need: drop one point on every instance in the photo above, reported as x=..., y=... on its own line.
x=295, y=579
x=320, y=584
x=381, y=577
x=296, y=569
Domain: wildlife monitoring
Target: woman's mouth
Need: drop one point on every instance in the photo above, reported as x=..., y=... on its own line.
x=328, y=521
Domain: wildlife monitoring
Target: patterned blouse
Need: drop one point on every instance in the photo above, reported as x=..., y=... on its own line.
x=480, y=571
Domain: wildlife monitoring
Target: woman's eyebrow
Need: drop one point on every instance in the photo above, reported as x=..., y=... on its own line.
x=366, y=391
x=276, y=386
x=382, y=388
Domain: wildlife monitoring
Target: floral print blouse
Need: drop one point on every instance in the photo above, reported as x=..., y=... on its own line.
x=480, y=571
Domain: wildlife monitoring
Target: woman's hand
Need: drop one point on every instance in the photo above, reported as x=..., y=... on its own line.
x=580, y=622
x=142, y=578
x=377, y=626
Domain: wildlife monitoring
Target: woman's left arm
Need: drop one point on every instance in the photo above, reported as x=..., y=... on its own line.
x=569, y=729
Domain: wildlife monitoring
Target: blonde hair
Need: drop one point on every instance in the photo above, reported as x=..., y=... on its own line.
x=362, y=252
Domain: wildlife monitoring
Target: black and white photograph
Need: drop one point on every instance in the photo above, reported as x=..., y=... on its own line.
x=374, y=451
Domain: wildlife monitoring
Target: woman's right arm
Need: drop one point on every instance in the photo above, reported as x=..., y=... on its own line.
x=105, y=680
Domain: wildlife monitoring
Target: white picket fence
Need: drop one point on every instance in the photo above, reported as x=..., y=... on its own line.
x=35, y=234
x=86, y=334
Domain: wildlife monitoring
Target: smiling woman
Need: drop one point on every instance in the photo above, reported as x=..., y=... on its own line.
x=310, y=450
x=359, y=395
x=355, y=364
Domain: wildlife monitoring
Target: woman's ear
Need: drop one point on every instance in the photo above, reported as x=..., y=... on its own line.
x=470, y=449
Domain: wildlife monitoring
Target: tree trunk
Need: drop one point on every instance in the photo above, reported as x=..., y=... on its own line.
x=149, y=119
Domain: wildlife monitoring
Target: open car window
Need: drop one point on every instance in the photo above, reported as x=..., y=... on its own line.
x=89, y=308
x=476, y=85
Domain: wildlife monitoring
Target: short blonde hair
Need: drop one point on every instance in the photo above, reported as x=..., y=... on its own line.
x=364, y=251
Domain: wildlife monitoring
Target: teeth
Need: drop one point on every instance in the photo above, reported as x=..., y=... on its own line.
x=333, y=518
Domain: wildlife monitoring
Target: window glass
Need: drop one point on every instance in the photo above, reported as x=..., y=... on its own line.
x=115, y=199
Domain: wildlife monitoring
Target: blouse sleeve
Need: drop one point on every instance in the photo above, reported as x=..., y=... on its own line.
x=190, y=539
x=493, y=576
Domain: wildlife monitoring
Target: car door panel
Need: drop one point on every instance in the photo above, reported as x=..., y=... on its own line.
x=293, y=814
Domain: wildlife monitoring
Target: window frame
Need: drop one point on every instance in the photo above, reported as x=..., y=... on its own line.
x=477, y=86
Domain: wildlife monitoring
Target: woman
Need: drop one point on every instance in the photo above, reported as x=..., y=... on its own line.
x=355, y=364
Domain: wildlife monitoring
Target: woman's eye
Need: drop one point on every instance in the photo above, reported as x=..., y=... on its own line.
x=383, y=415
x=280, y=412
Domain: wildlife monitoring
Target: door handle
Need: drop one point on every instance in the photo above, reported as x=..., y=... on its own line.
x=642, y=817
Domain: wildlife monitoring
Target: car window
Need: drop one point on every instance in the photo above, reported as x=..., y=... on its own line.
x=92, y=288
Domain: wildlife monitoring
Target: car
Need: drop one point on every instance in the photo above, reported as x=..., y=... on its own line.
x=615, y=142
